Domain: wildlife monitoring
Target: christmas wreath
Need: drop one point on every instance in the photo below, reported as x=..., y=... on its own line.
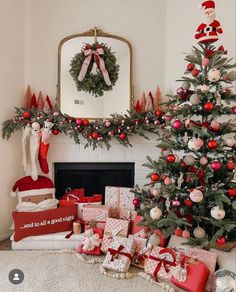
x=94, y=69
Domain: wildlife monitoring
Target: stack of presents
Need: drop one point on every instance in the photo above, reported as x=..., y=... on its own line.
x=114, y=229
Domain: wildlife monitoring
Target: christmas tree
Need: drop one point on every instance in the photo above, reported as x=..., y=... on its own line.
x=192, y=192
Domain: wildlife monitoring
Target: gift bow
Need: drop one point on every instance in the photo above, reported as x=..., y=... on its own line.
x=89, y=53
x=91, y=242
x=163, y=262
x=116, y=252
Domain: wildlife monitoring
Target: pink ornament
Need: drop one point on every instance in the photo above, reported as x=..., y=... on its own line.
x=203, y=161
x=79, y=122
x=156, y=123
x=176, y=203
x=230, y=142
x=225, y=77
x=177, y=124
x=204, y=88
x=155, y=192
x=107, y=123
x=56, y=114
x=215, y=125
x=168, y=117
x=167, y=181
x=198, y=142
x=136, y=202
x=186, y=234
x=205, y=61
x=216, y=165
x=234, y=110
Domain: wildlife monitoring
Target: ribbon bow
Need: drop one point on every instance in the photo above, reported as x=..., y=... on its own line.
x=163, y=262
x=116, y=252
x=89, y=53
x=91, y=240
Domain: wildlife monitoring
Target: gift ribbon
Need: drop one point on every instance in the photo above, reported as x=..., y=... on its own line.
x=116, y=252
x=93, y=240
x=89, y=53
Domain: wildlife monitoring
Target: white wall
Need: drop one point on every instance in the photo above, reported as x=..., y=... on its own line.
x=11, y=91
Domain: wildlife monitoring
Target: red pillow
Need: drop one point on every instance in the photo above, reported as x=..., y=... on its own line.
x=43, y=222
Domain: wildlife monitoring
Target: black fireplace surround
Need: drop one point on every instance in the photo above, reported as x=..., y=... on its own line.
x=93, y=177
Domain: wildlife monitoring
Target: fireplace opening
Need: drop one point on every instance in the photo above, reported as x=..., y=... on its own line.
x=93, y=177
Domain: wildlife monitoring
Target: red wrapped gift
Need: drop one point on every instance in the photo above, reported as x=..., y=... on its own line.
x=91, y=243
x=136, y=228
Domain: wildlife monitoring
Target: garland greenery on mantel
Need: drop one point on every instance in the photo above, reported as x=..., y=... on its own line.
x=98, y=133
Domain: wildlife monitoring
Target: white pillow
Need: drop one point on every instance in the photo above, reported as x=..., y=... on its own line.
x=32, y=207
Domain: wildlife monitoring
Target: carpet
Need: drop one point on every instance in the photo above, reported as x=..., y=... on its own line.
x=48, y=272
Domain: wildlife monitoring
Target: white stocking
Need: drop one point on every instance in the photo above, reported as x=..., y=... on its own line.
x=25, y=149
x=34, y=149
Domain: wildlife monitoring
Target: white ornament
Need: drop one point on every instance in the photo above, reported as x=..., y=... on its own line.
x=189, y=159
x=213, y=75
x=195, y=144
x=194, y=99
x=230, y=142
x=199, y=232
x=232, y=75
x=204, y=88
x=217, y=213
x=155, y=192
x=155, y=213
x=196, y=196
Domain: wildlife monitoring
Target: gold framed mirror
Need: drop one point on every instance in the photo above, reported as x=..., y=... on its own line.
x=77, y=102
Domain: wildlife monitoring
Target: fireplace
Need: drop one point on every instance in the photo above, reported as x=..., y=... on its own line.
x=94, y=177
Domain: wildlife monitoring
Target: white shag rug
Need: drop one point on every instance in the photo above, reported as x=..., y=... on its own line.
x=48, y=272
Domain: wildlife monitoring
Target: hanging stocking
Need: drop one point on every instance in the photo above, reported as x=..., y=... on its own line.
x=44, y=146
x=34, y=148
x=25, y=149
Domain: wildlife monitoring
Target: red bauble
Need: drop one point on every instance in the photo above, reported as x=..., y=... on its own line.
x=188, y=203
x=234, y=110
x=155, y=177
x=216, y=165
x=178, y=232
x=183, y=164
x=94, y=135
x=230, y=165
x=232, y=192
x=170, y=158
x=55, y=132
x=208, y=106
x=79, y=122
x=221, y=241
x=26, y=115
x=122, y=136
x=158, y=113
x=190, y=66
x=212, y=144
x=86, y=122
x=195, y=72
x=136, y=202
x=177, y=124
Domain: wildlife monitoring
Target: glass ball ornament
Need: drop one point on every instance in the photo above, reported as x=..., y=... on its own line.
x=220, y=241
x=203, y=161
x=194, y=99
x=190, y=67
x=189, y=159
x=232, y=75
x=85, y=122
x=215, y=125
x=212, y=144
x=213, y=75
x=198, y=142
x=195, y=72
x=178, y=232
x=188, y=203
x=204, y=88
x=215, y=165
x=79, y=122
x=26, y=115
x=136, y=202
x=176, y=203
x=217, y=213
x=230, y=142
x=167, y=181
x=205, y=62
x=170, y=158
x=186, y=234
x=177, y=124
x=192, y=146
x=234, y=110
x=156, y=213
x=155, y=192
x=199, y=232
x=232, y=192
x=196, y=196
x=230, y=165
x=154, y=177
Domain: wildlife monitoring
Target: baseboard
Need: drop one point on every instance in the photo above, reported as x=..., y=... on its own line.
x=8, y=235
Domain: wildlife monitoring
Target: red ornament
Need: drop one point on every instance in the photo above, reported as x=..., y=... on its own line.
x=220, y=241
x=86, y=122
x=158, y=113
x=190, y=67
x=155, y=177
x=79, y=122
x=94, y=135
x=177, y=124
x=170, y=158
x=26, y=115
x=178, y=232
x=122, y=136
x=183, y=164
x=195, y=72
x=234, y=110
x=136, y=202
x=208, y=106
x=232, y=192
x=188, y=203
x=230, y=165
x=55, y=132
x=216, y=165
x=212, y=144
x=209, y=53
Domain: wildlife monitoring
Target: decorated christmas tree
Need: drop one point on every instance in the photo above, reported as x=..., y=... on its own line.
x=192, y=192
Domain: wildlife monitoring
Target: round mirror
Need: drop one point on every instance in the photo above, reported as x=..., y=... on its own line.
x=94, y=75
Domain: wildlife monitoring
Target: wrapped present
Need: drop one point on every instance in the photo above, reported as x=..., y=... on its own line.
x=83, y=201
x=160, y=263
x=136, y=228
x=114, y=227
x=140, y=243
x=119, y=255
x=142, y=251
x=118, y=197
x=96, y=213
x=127, y=214
x=91, y=243
x=206, y=257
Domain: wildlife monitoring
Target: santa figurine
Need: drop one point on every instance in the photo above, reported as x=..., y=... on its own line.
x=208, y=30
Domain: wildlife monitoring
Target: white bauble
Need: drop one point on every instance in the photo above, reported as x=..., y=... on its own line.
x=232, y=75
x=217, y=213
x=203, y=161
x=155, y=192
x=189, y=159
x=230, y=142
x=154, y=240
x=192, y=146
x=194, y=99
x=204, y=88
x=199, y=232
x=213, y=75
x=155, y=213
x=196, y=196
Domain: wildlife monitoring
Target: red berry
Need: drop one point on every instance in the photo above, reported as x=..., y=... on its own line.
x=85, y=122
x=195, y=72
x=26, y=115
x=188, y=203
x=221, y=241
x=232, y=192
x=190, y=66
x=55, y=132
x=94, y=135
x=170, y=158
x=230, y=165
x=212, y=144
x=155, y=177
x=178, y=232
x=122, y=136
x=208, y=106
x=159, y=113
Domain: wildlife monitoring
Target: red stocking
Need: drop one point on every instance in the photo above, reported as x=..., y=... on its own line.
x=43, y=151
